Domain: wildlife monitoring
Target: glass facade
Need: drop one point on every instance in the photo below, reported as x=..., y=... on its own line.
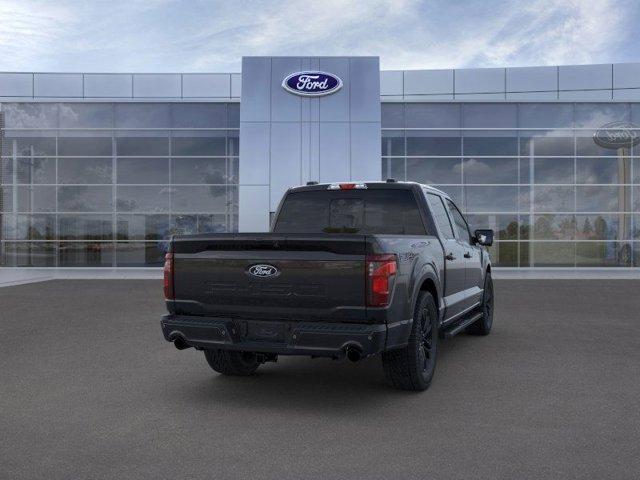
x=531, y=171
x=104, y=184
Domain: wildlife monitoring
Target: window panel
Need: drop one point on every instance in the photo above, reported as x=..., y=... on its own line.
x=490, y=170
x=143, y=199
x=603, y=254
x=504, y=254
x=142, y=227
x=199, y=199
x=36, y=254
x=142, y=170
x=392, y=115
x=36, y=199
x=85, y=254
x=602, y=226
x=93, y=146
x=434, y=170
x=6, y=170
x=233, y=115
x=35, y=227
x=585, y=145
x=392, y=143
x=603, y=170
x=142, y=115
x=490, y=115
x=636, y=170
x=199, y=115
x=553, y=170
x=505, y=227
x=554, y=227
x=432, y=115
x=85, y=227
x=491, y=144
x=29, y=146
x=36, y=170
x=30, y=115
x=85, y=199
x=454, y=192
x=441, y=143
x=546, y=144
x=554, y=199
x=190, y=224
x=138, y=254
x=461, y=225
x=205, y=146
x=491, y=199
x=598, y=114
x=145, y=146
x=393, y=168
x=85, y=170
x=233, y=143
x=86, y=115
x=553, y=254
x=603, y=199
x=199, y=170
x=6, y=199
x=545, y=115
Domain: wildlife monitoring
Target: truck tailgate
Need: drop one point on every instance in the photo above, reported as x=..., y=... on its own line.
x=271, y=276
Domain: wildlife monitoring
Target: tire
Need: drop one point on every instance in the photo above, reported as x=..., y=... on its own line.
x=412, y=367
x=240, y=364
x=482, y=326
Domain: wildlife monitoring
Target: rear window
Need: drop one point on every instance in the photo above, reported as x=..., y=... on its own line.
x=392, y=211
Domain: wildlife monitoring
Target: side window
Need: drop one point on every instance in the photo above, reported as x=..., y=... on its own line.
x=461, y=224
x=440, y=215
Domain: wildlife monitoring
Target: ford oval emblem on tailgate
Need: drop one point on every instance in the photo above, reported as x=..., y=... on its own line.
x=263, y=271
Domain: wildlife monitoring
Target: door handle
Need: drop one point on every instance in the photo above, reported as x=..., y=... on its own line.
x=450, y=256
x=467, y=255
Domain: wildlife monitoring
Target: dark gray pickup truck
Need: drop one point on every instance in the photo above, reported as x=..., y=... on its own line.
x=348, y=270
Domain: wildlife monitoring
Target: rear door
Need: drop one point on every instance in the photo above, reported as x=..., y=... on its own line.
x=454, y=284
x=471, y=254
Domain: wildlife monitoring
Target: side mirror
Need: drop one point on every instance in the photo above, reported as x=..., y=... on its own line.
x=484, y=237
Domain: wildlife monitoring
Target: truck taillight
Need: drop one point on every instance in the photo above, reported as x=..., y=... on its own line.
x=381, y=271
x=169, y=293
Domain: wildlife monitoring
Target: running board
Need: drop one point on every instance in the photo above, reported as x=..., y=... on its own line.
x=459, y=327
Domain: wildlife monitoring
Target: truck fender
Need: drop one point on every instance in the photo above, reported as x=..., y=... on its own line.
x=428, y=272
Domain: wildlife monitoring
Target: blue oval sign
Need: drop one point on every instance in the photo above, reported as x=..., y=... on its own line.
x=312, y=83
x=616, y=135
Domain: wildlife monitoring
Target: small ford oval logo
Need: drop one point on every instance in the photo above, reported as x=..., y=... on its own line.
x=312, y=83
x=263, y=271
x=616, y=135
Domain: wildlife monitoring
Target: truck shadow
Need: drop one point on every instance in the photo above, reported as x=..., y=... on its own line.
x=305, y=385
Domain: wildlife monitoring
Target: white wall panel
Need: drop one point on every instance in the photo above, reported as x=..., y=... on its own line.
x=626, y=75
x=255, y=147
x=391, y=82
x=58, y=85
x=206, y=85
x=16, y=84
x=254, y=216
x=479, y=80
x=285, y=159
x=108, y=85
x=532, y=79
x=584, y=77
x=334, y=152
x=157, y=85
x=335, y=107
x=365, y=154
x=427, y=82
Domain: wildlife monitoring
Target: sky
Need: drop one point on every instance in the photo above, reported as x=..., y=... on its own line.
x=212, y=36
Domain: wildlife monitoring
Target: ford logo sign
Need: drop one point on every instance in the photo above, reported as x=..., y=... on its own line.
x=263, y=271
x=312, y=84
x=617, y=135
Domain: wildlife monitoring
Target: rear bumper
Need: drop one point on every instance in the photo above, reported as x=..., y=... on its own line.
x=321, y=339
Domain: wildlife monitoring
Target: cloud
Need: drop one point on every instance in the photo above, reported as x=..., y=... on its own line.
x=166, y=35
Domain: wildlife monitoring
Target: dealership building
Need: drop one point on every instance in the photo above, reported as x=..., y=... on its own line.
x=98, y=169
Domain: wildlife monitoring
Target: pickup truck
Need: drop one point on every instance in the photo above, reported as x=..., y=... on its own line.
x=348, y=270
